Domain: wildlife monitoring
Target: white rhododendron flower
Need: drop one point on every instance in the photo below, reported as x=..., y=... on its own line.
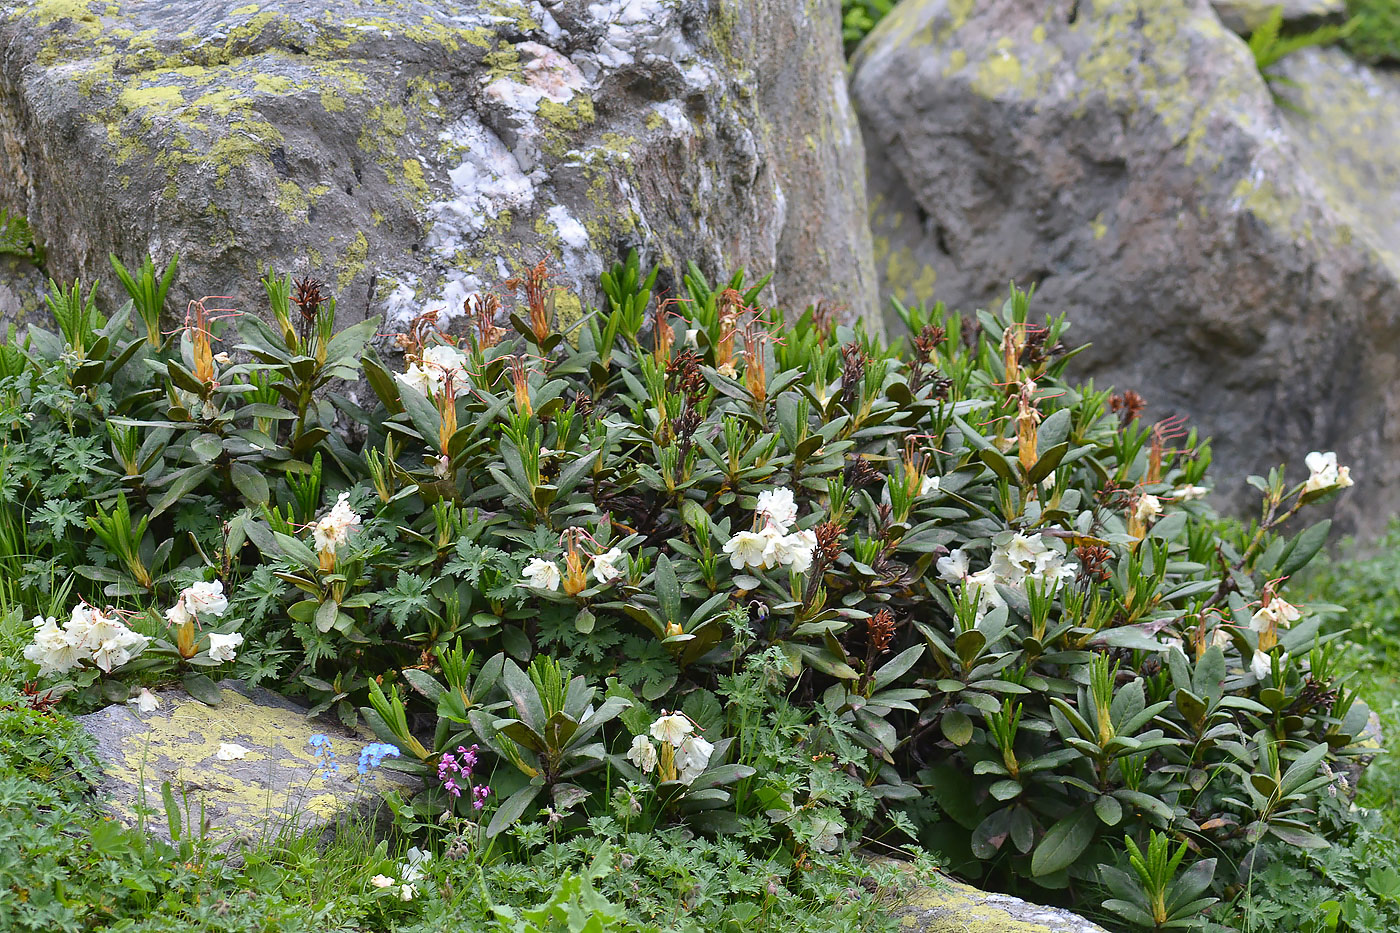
x=1261, y=666
x=1052, y=566
x=230, y=751
x=1277, y=613
x=439, y=362
x=772, y=545
x=89, y=635
x=1018, y=557
x=1023, y=558
x=778, y=508
x=954, y=568
x=55, y=650
x=417, y=379
x=92, y=626
x=606, y=567
x=1324, y=472
x=407, y=892
x=1148, y=507
x=795, y=550
x=145, y=701
x=199, y=600
x=542, y=574
x=382, y=881
x=929, y=486
x=988, y=597
x=642, y=754
x=673, y=728
x=334, y=530
x=1190, y=493
x=693, y=757
x=222, y=647
x=748, y=549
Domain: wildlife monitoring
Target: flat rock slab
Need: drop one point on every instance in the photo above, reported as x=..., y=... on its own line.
x=954, y=907
x=275, y=787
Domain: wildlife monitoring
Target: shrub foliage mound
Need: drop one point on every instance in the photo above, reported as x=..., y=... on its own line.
x=689, y=564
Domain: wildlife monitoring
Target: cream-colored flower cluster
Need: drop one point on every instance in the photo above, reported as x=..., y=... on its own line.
x=606, y=568
x=335, y=528
x=89, y=635
x=773, y=545
x=439, y=364
x=1324, y=473
x=1022, y=558
x=682, y=756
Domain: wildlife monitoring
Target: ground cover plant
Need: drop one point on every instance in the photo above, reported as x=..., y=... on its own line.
x=690, y=588
x=1376, y=35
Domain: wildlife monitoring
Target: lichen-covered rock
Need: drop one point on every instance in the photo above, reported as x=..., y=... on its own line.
x=1233, y=260
x=954, y=907
x=274, y=784
x=1245, y=16
x=21, y=290
x=413, y=152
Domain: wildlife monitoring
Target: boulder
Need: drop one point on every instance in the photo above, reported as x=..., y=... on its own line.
x=953, y=907
x=22, y=290
x=412, y=153
x=1232, y=259
x=274, y=784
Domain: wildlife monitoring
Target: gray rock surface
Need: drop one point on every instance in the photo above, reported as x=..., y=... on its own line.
x=21, y=290
x=1245, y=16
x=411, y=153
x=276, y=785
x=1232, y=260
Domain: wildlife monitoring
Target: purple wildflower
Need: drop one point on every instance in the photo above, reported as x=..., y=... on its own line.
x=455, y=767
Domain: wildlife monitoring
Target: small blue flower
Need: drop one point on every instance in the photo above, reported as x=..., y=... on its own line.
x=325, y=754
x=373, y=755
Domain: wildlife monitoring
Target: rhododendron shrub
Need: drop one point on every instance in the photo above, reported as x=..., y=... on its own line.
x=707, y=562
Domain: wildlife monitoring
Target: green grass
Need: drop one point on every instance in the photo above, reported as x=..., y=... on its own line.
x=1367, y=583
x=1354, y=885
x=1376, y=37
